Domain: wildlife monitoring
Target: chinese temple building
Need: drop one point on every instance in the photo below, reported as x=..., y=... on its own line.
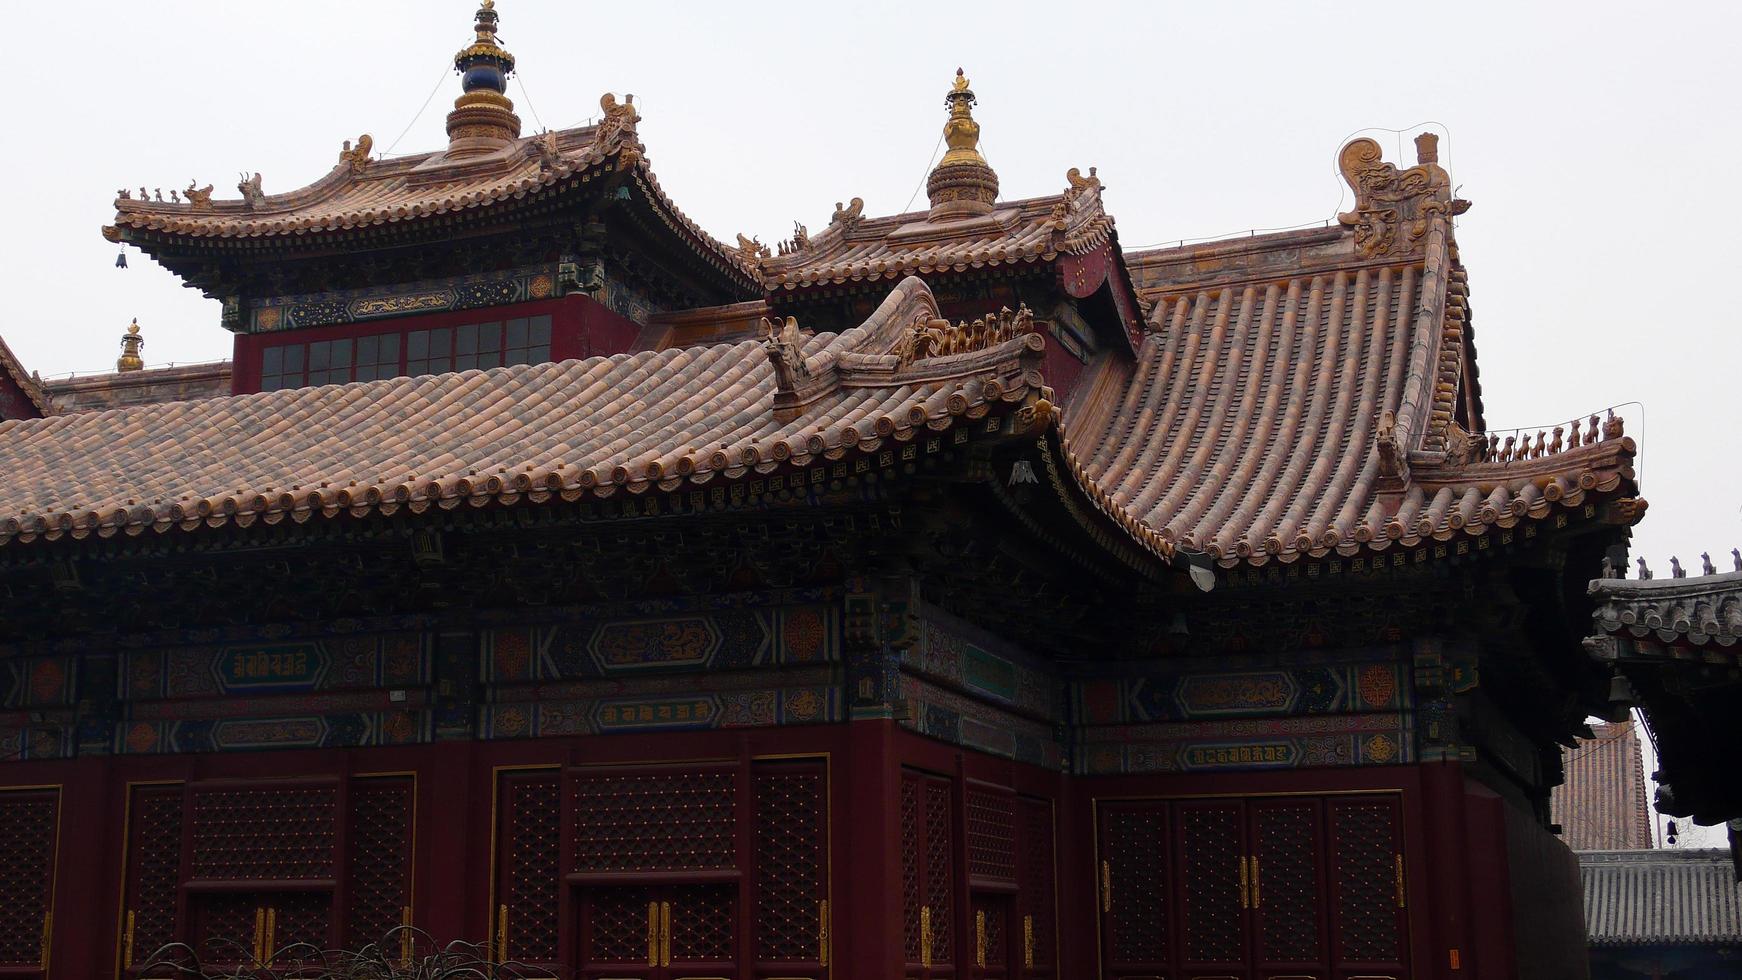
x=949, y=594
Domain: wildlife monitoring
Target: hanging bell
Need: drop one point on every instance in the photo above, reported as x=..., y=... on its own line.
x=121, y=260
x=1621, y=693
x=1670, y=835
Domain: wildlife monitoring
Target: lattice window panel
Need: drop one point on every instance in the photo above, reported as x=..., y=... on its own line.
x=154, y=851
x=1136, y=896
x=301, y=923
x=264, y=833
x=27, y=841
x=939, y=868
x=679, y=820
x=1364, y=847
x=911, y=897
x=990, y=922
x=1210, y=858
x=991, y=835
x=531, y=839
x=791, y=836
x=1035, y=899
x=1286, y=895
x=224, y=924
x=702, y=922
x=379, y=882
x=617, y=925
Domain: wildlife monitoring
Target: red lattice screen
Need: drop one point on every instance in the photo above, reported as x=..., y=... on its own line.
x=301, y=923
x=154, y=870
x=28, y=825
x=703, y=921
x=927, y=871
x=791, y=862
x=1134, y=883
x=1367, y=881
x=529, y=843
x=1210, y=862
x=1035, y=899
x=264, y=833
x=991, y=834
x=1286, y=893
x=679, y=819
x=615, y=925
x=225, y=925
x=379, y=863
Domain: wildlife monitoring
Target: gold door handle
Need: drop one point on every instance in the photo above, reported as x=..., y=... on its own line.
x=405, y=937
x=1106, y=887
x=1400, y=899
x=823, y=933
x=127, y=943
x=1028, y=942
x=1243, y=902
x=502, y=933
x=47, y=938
x=260, y=935
x=652, y=933
x=980, y=939
x=271, y=934
x=664, y=933
x=925, y=936
x=1257, y=896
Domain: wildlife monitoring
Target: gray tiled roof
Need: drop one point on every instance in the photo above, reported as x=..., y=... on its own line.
x=1659, y=897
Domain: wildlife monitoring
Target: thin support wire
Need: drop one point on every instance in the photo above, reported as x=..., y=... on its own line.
x=435, y=88
x=921, y=186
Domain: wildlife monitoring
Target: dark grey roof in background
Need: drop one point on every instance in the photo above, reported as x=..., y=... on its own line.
x=1661, y=897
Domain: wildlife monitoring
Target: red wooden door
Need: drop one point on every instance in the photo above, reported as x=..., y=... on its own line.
x=928, y=875
x=1369, y=927
x=1211, y=888
x=1036, y=898
x=378, y=862
x=791, y=866
x=1286, y=867
x=1134, y=883
x=149, y=909
x=29, y=838
x=525, y=927
x=992, y=915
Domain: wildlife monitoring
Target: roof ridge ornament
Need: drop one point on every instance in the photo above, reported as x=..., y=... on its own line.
x=1394, y=208
x=963, y=184
x=131, y=342
x=483, y=118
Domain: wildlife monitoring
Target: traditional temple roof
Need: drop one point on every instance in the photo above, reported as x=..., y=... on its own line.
x=651, y=420
x=857, y=249
x=1661, y=897
x=114, y=389
x=1303, y=393
x=28, y=388
x=1703, y=613
x=964, y=228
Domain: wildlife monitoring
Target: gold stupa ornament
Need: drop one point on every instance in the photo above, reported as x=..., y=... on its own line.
x=963, y=184
x=131, y=343
x=483, y=119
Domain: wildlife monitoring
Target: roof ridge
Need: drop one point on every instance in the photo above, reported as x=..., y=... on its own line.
x=26, y=382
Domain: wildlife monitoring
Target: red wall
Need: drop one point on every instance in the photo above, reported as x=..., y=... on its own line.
x=579, y=327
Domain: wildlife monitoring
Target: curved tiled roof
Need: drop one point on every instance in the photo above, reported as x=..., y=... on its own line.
x=1661, y=897
x=1297, y=398
x=379, y=193
x=13, y=369
x=1705, y=611
x=626, y=423
x=1031, y=230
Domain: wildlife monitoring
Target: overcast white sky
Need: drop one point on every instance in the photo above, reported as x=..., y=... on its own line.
x=1599, y=142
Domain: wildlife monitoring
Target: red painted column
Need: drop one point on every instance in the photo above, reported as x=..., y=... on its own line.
x=86, y=873
x=867, y=830
x=1448, y=856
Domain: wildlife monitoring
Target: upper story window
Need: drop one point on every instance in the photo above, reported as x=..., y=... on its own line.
x=522, y=340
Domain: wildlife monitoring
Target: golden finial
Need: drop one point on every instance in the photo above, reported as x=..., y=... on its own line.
x=483, y=119
x=131, y=342
x=963, y=183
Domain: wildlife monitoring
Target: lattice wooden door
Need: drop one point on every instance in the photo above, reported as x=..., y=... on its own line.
x=149, y=913
x=661, y=932
x=1286, y=861
x=791, y=920
x=525, y=928
x=993, y=934
x=1210, y=887
x=928, y=875
x=1369, y=928
x=1035, y=925
x=29, y=832
x=1136, y=902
